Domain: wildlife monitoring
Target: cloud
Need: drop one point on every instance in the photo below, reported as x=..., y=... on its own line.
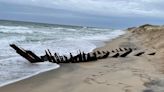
x=127, y=8
x=99, y=13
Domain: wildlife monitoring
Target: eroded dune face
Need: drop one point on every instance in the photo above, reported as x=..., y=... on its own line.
x=150, y=35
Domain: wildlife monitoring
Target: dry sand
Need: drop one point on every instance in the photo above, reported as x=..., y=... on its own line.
x=130, y=74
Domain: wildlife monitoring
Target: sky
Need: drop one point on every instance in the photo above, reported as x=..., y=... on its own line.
x=97, y=13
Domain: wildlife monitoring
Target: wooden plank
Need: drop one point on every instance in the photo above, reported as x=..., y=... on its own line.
x=48, y=56
x=23, y=53
x=38, y=59
x=126, y=53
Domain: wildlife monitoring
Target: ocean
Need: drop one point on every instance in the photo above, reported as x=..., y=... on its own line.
x=38, y=37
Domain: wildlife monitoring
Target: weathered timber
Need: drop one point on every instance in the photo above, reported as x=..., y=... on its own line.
x=125, y=49
x=52, y=57
x=62, y=59
x=44, y=58
x=48, y=56
x=84, y=57
x=117, y=50
x=38, y=59
x=113, y=51
x=75, y=59
x=71, y=58
x=103, y=52
x=98, y=52
x=24, y=54
x=80, y=57
x=104, y=56
x=56, y=57
x=88, y=57
x=120, y=49
x=139, y=54
x=66, y=59
x=126, y=53
x=94, y=56
x=135, y=49
x=153, y=53
x=116, y=55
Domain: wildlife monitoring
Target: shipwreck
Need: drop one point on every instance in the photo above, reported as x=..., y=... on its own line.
x=80, y=57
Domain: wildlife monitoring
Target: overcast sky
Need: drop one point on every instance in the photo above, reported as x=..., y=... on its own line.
x=99, y=13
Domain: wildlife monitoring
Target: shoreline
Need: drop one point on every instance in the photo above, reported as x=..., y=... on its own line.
x=103, y=43
x=130, y=74
x=98, y=44
x=29, y=76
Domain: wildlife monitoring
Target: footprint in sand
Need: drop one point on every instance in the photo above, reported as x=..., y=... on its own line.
x=100, y=81
x=126, y=87
x=127, y=90
x=106, y=66
x=89, y=80
x=97, y=80
x=101, y=73
x=94, y=75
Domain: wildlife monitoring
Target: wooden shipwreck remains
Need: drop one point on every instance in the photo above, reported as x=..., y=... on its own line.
x=28, y=55
x=153, y=53
x=56, y=58
x=81, y=57
x=140, y=53
x=126, y=53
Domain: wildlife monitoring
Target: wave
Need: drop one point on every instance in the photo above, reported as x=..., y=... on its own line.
x=15, y=69
x=15, y=29
x=105, y=36
x=11, y=39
